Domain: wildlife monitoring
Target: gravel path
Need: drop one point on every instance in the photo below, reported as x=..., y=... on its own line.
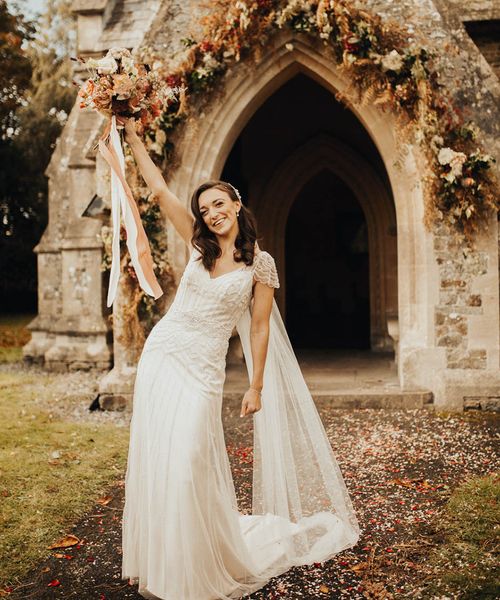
x=399, y=467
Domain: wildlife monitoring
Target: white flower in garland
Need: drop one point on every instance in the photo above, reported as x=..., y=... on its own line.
x=446, y=155
x=392, y=61
x=454, y=160
x=293, y=9
x=325, y=31
x=202, y=72
x=483, y=158
x=210, y=61
x=324, y=25
x=244, y=15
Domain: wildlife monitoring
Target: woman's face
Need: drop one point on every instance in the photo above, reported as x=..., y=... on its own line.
x=218, y=211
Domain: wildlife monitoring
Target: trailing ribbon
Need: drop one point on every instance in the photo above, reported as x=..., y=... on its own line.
x=137, y=241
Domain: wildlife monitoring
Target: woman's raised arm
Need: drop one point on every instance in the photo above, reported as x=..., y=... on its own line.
x=170, y=205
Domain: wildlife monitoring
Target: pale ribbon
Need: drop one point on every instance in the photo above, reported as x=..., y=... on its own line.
x=137, y=241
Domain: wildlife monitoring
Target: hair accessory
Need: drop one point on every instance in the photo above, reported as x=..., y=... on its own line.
x=236, y=192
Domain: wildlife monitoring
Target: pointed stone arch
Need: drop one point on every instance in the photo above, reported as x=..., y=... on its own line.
x=322, y=152
x=205, y=148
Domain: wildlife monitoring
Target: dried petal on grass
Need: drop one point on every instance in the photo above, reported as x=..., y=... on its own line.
x=65, y=542
x=105, y=500
x=360, y=566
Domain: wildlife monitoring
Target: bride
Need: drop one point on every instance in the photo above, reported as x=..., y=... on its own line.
x=183, y=537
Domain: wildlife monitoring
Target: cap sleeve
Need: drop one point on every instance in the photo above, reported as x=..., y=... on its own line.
x=264, y=269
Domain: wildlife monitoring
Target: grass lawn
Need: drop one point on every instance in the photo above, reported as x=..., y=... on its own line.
x=465, y=560
x=52, y=470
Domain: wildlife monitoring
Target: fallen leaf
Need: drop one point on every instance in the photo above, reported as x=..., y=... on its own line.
x=6, y=591
x=54, y=583
x=105, y=500
x=67, y=540
x=323, y=589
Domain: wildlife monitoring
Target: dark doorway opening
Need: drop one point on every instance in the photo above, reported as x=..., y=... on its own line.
x=327, y=268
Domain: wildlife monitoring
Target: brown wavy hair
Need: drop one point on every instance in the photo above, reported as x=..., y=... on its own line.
x=205, y=240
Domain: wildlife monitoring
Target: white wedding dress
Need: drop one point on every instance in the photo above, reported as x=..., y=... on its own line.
x=183, y=537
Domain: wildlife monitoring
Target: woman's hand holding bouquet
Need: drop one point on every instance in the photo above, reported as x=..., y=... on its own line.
x=131, y=95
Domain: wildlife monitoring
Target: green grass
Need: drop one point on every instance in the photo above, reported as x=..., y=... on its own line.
x=464, y=563
x=42, y=496
x=13, y=336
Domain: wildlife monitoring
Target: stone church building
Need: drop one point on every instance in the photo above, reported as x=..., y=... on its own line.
x=358, y=269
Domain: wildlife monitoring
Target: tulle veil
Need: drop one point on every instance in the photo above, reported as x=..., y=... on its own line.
x=296, y=477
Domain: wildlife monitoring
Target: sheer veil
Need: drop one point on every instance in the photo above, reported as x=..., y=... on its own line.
x=296, y=477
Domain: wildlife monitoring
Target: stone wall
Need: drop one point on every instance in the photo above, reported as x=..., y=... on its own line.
x=458, y=268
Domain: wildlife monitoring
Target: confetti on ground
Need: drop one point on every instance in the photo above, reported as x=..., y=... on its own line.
x=399, y=467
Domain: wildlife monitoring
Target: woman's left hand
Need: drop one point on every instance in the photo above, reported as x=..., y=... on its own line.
x=250, y=403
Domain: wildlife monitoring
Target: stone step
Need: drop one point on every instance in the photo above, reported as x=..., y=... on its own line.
x=337, y=399
x=361, y=399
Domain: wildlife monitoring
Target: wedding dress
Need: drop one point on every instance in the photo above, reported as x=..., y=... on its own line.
x=183, y=537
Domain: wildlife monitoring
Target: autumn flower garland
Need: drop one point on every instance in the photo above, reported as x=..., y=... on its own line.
x=384, y=69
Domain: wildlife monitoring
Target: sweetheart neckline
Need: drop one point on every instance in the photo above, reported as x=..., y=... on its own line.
x=224, y=274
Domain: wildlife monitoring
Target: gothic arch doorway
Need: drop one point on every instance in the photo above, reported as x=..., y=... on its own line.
x=276, y=167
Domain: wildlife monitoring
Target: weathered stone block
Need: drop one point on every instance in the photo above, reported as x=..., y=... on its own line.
x=474, y=300
x=452, y=339
x=453, y=283
x=486, y=403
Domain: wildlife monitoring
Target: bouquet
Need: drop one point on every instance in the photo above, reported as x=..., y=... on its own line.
x=120, y=87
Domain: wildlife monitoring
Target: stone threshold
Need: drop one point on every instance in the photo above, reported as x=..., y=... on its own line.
x=359, y=399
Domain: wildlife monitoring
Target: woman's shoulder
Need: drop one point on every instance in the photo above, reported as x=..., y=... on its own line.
x=260, y=254
x=262, y=257
x=264, y=268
